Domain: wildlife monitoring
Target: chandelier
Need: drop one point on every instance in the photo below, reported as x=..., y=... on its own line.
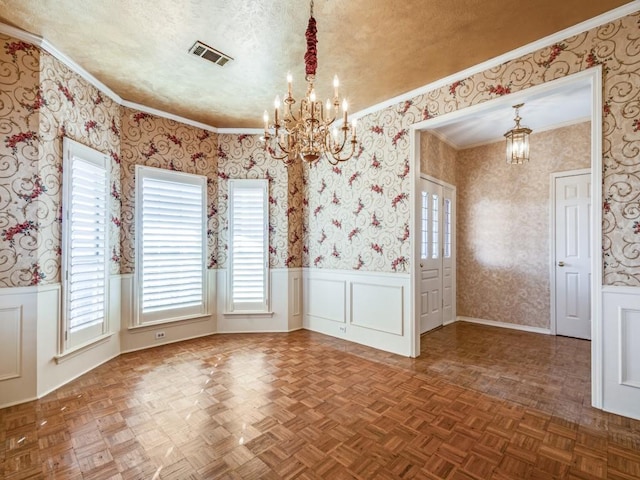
x=518, y=141
x=310, y=130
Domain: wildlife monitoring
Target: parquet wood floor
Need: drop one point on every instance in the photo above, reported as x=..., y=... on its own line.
x=480, y=403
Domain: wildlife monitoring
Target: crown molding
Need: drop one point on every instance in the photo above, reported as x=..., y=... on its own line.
x=69, y=62
x=547, y=41
x=21, y=34
x=76, y=68
x=594, y=22
x=240, y=131
x=167, y=115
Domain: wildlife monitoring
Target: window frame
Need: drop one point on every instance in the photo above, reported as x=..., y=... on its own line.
x=264, y=305
x=140, y=318
x=74, y=340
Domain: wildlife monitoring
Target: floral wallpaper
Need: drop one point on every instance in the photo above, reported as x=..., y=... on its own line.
x=351, y=216
x=357, y=212
x=375, y=185
x=43, y=101
x=162, y=143
x=243, y=156
x=503, y=226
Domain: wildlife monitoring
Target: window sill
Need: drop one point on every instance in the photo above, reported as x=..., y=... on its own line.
x=75, y=351
x=177, y=321
x=248, y=313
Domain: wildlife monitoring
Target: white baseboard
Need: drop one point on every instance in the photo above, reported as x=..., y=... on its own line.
x=177, y=340
x=260, y=331
x=19, y=402
x=71, y=379
x=512, y=326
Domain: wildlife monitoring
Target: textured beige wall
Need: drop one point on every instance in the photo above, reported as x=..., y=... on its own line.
x=437, y=158
x=503, y=226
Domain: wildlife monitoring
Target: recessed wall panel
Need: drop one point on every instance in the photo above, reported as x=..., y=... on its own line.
x=326, y=299
x=629, y=351
x=10, y=342
x=378, y=307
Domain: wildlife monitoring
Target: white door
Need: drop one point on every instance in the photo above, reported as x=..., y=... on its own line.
x=437, y=263
x=572, y=255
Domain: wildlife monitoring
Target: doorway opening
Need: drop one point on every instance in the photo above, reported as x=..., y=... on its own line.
x=481, y=114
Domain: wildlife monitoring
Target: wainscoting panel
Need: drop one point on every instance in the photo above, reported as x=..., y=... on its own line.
x=325, y=298
x=138, y=338
x=629, y=351
x=378, y=307
x=53, y=370
x=295, y=299
x=18, y=316
x=621, y=335
x=11, y=335
x=281, y=304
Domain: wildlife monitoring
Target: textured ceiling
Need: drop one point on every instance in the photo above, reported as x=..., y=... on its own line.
x=379, y=48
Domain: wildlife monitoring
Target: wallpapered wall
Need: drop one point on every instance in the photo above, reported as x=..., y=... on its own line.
x=437, y=158
x=380, y=189
x=353, y=216
x=43, y=101
x=162, y=143
x=243, y=156
x=503, y=226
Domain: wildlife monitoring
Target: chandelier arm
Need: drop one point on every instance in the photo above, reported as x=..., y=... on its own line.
x=274, y=155
x=344, y=129
x=337, y=156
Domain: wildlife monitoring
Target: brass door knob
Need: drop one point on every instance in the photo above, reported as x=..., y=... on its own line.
x=561, y=264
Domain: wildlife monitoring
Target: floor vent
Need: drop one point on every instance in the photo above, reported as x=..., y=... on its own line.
x=205, y=51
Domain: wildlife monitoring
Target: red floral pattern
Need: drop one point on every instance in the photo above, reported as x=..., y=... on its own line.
x=90, y=125
x=22, y=137
x=67, y=93
x=499, y=90
x=555, y=51
x=12, y=48
x=24, y=228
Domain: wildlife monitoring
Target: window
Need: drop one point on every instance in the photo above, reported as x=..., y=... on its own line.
x=435, y=242
x=85, y=238
x=170, y=245
x=447, y=228
x=425, y=226
x=248, y=246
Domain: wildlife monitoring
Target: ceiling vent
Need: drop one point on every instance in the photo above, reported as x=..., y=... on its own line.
x=205, y=51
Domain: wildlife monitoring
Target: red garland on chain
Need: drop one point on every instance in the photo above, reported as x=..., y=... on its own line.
x=311, y=57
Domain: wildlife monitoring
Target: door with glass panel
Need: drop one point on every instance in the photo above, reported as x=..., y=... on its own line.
x=437, y=260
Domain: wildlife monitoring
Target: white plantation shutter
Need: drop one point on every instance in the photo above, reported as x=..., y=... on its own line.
x=248, y=245
x=170, y=245
x=85, y=243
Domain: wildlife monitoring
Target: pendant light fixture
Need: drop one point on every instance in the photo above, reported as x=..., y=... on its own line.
x=518, y=141
x=310, y=130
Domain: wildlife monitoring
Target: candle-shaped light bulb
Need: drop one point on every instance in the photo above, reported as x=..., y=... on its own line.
x=354, y=123
x=276, y=102
x=328, y=105
x=345, y=107
x=336, y=84
x=312, y=96
x=265, y=117
x=289, y=83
